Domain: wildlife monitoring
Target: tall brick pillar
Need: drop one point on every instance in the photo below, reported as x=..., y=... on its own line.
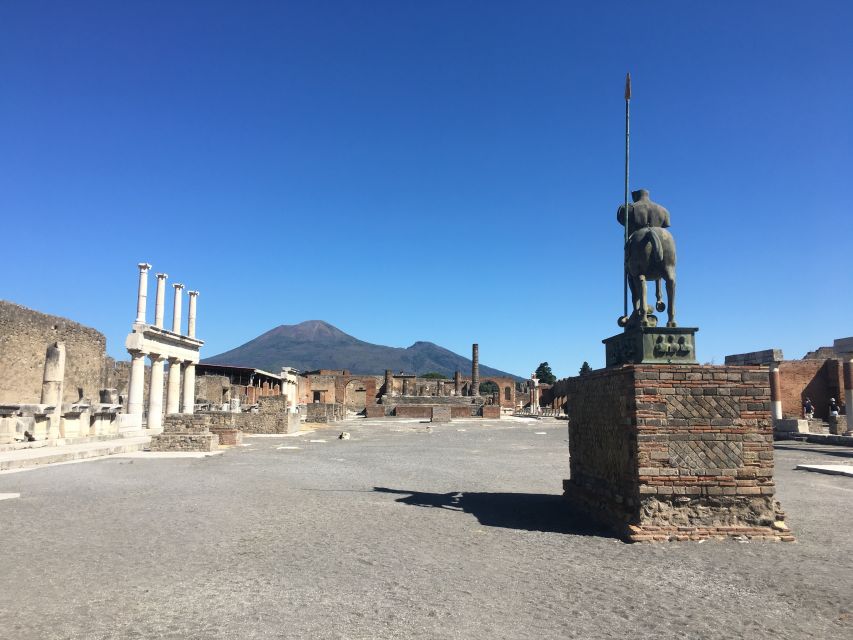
x=457, y=383
x=848, y=391
x=475, y=369
x=389, y=383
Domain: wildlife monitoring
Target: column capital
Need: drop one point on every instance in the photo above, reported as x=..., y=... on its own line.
x=135, y=353
x=162, y=276
x=177, y=286
x=156, y=357
x=143, y=266
x=192, y=294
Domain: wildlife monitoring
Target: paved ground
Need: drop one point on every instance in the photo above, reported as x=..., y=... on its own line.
x=398, y=533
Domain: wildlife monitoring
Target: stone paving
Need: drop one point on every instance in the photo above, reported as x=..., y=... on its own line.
x=403, y=531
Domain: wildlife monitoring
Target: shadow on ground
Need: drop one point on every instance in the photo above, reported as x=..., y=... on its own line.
x=526, y=511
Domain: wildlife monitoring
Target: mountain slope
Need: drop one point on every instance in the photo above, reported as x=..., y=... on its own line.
x=318, y=345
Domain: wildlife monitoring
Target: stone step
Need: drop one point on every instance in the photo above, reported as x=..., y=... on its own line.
x=36, y=457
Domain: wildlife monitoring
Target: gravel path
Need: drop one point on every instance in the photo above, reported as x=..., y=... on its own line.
x=459, y=532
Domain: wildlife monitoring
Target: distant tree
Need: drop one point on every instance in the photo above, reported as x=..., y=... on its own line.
x=585, y=368
x=433, y=375
x=544, y=374
x=489, y=388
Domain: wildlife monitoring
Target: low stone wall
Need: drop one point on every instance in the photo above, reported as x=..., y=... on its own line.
x=321, y=413
x=675, y=452
x=491, y=411
x=440, y=414
x=374, y=411
x=413, y=411
x=188, y=432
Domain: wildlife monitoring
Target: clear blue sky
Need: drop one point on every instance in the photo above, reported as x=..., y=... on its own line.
x=442, y=171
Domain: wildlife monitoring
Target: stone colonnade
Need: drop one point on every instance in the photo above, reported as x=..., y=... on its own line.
x=161, y=345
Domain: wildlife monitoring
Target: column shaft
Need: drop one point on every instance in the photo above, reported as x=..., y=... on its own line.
x=136, y=385
x=160, y=300
x=189, y=388
x=191, y=313
x=475, y=369
x=143, y=292
x=176, y=309
x=848, y=392
x=155, y=394
x=775, y=392
x=173, y=391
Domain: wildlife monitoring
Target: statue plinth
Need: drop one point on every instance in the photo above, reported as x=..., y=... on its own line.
x=652, y=345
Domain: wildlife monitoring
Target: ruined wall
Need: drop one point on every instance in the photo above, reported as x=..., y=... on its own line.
x=24, y=337
x=819, y=380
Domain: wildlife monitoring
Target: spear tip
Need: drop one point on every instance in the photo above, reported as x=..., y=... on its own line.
x=628, y=86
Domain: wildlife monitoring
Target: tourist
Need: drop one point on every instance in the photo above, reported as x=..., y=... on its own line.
x=808, y=409
x=834, y=410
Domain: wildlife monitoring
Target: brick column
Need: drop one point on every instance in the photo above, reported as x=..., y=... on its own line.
x=475, y=369
x=457, y=383
x=389, y=383
x=775, y=392
x=848, y=391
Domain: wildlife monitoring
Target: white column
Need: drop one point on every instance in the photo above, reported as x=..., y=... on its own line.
x=176, y=311
x=136, y=385
x=155, y=393
x=189, y=388
x=173, y=391
x=160, y=300
x=775, y=392
x=191, y=314
x=143, y=292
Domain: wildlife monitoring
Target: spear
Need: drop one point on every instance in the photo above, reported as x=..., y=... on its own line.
x=627, y=147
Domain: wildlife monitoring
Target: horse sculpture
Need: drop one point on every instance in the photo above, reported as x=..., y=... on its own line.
x=649, y=255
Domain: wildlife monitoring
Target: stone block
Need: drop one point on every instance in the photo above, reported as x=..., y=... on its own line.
x=491, y=411
x=440, y=414
x=374, y=411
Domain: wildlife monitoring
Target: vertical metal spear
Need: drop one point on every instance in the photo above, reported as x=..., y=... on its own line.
x=627, y=148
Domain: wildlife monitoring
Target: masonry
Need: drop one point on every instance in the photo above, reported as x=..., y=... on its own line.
x=24, y=336
x=675, y=452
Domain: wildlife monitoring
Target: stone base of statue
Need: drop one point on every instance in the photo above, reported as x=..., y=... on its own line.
x=652, y=345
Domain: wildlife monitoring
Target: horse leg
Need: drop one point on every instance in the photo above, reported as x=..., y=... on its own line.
x=642, y=310
x=659, y=305
x=670, y=296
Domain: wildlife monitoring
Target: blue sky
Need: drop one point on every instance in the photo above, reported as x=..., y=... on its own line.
x=442, y=171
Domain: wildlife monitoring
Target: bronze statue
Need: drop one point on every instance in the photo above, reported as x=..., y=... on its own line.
x=649, y=255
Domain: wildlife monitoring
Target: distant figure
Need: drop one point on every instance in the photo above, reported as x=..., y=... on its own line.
x=808, y=409
x=834, y=409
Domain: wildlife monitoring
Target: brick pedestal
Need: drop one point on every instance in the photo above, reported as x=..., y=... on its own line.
x=185, y=432
x=675, y=452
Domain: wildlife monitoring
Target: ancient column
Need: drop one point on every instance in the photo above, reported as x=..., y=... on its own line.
x=143, y=292
x=389, y=382
x=136, y=385
x=176, y=309
x=848, y=390
x=160, y=300
x=191, y=317
x=405, y=386
x=173, y=391
x=457, y=383
x=189, y=388
x=775, y=392
x=51, y=386
x=534, y=394
x=475, y=369
x=155, y=393
x=439, y=388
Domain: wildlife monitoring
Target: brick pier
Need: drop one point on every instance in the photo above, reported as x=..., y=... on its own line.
x=675, y=452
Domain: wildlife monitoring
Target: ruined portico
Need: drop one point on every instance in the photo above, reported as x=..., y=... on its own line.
x=159, y=344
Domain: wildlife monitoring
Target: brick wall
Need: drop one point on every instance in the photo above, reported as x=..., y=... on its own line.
x=24, y=337
x=674, y=452
x=819, y=380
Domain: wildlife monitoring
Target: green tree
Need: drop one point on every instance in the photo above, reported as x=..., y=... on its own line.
x=585, y=368
x=433, y=375
x=544, y=373
x=488, y=388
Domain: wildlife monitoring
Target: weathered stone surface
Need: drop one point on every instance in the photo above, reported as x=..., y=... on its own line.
x=440, y=414
x=767, y=356
x=652, y=345
x=491, y=411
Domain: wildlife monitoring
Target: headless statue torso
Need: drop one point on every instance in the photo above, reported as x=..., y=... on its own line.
x=643, y=213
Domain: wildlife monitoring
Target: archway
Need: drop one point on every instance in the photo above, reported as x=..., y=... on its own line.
x=490, y=390
x=355, y=395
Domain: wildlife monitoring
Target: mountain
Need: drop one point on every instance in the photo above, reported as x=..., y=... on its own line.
x=318, y=345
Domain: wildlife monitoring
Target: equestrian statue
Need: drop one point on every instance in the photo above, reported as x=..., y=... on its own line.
x=649, y=255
